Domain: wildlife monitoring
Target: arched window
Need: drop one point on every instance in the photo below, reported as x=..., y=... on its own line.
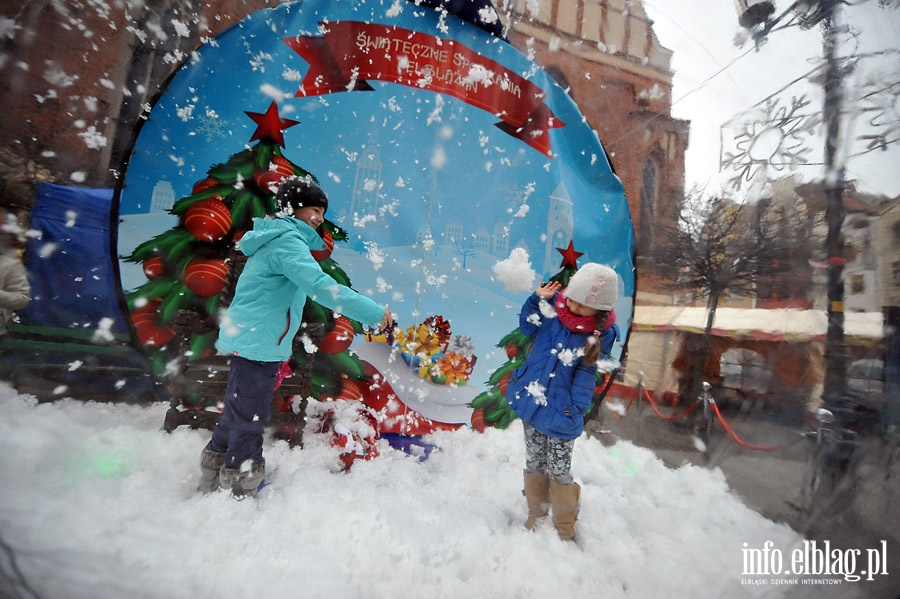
x=744, y=369
x=649, y=193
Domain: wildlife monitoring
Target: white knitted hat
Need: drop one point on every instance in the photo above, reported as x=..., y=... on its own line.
x=594, y=285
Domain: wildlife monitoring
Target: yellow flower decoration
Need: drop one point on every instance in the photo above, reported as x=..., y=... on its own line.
x=454, y=367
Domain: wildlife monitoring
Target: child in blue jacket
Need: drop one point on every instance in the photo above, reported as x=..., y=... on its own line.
x=259, y=327
x=551, y=391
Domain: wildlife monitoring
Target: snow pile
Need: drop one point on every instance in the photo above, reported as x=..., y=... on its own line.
x=99, y=503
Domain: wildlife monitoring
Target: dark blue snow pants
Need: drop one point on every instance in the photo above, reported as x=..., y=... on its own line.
x=248, y=406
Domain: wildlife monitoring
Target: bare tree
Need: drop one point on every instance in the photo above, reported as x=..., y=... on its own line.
x=465, y=248
x=716, y=249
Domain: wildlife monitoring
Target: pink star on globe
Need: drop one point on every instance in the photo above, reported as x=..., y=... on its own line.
x=570, y=256
x=270, y=125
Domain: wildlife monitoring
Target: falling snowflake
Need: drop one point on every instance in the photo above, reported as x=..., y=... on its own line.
x=211, y=125
x=93, y=138
x=259, y=60
x=772, y=136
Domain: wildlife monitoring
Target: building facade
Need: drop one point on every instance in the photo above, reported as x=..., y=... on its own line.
x=604, y=52
x=887, y=249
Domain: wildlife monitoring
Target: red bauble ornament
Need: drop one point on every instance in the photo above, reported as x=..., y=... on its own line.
x=153, y=267
x=349, y=390
x=146, y=324
x=270, y=180
x=205, y=277
x=503, y=384
x=511, y=351
x=325, y=253
x=339, y=338
x=478, y=420
x=146, y=314
x=153, y=334
x=205, y=184
x=208, y=220
x=282, y=166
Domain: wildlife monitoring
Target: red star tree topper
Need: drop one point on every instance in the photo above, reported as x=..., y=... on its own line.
x=570, y=256
x=270, y=125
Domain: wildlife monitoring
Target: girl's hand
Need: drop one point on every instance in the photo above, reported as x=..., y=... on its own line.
x=547, y=290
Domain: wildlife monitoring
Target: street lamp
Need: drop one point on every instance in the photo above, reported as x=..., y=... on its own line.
x=755, y=15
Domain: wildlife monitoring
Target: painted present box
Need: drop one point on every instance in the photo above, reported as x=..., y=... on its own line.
x=434, y=354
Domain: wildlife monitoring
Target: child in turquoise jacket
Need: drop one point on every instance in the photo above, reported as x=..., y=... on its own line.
x=259, y=327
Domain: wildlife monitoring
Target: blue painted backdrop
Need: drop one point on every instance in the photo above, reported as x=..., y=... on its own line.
x=420, y=146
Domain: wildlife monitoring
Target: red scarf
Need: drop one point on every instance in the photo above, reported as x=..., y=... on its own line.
x=573, y=322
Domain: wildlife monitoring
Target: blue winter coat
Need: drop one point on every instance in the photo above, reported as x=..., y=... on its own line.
x=280, y=274
x=553, y=389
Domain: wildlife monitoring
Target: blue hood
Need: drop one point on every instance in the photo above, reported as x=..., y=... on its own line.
x=266, y=229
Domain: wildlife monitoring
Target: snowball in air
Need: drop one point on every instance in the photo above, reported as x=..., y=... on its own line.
x=515, y=272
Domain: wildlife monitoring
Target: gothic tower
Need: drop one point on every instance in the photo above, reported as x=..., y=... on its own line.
x=560, y=222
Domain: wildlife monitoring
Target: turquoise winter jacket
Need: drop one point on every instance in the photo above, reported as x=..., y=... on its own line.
x=280, y=274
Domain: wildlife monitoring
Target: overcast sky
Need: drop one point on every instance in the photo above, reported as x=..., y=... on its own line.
x=715, y=80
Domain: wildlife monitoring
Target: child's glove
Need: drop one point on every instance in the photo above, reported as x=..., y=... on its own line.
x=284, y=371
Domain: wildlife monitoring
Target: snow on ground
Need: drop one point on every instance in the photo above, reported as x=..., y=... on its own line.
x=98, y=502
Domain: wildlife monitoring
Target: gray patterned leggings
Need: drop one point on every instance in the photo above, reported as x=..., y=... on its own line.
x=548, y=454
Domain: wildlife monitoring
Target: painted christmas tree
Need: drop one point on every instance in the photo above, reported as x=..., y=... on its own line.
x=491, y=408
x=192, y=269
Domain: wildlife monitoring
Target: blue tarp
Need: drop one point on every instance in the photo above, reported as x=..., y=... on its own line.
x=73, y=340
x=70, y=267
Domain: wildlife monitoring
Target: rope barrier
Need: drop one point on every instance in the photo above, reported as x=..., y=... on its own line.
x=645, y=394
x=683, y=414
x=627, y=407
x=738, y=440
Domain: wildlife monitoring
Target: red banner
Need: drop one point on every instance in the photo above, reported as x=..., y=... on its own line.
x=350, y=53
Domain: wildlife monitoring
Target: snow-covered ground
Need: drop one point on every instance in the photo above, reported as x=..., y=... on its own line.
x=98, y=502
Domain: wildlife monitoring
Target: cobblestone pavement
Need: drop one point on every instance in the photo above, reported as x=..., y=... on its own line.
x=770, y=482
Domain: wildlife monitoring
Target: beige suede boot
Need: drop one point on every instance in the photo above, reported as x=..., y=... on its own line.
x=537, y=495
x=564, y=500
